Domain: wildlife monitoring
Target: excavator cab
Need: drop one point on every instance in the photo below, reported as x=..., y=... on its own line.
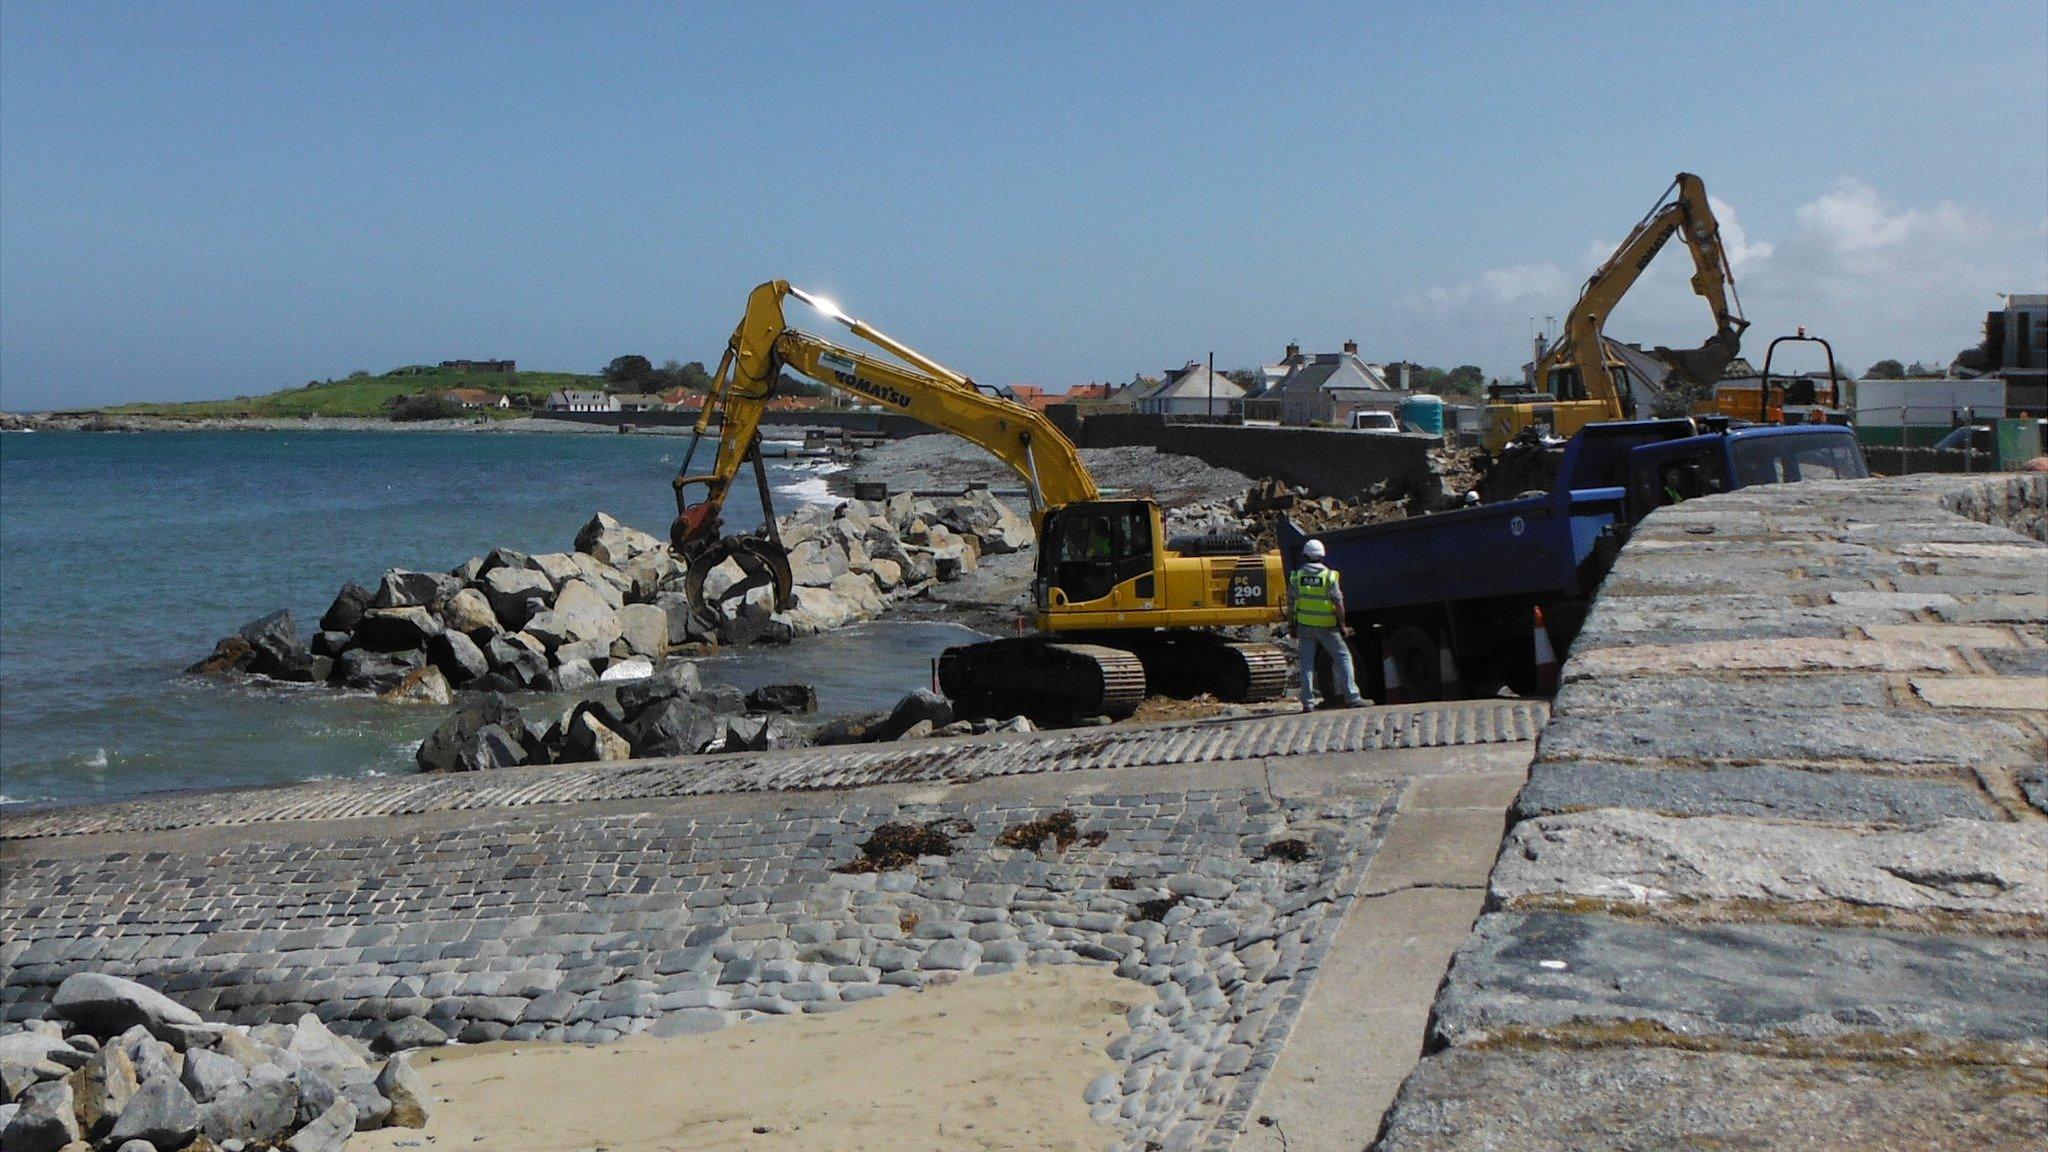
x=1092, y=549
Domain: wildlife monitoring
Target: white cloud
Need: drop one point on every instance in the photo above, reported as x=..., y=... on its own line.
x=1876, y=278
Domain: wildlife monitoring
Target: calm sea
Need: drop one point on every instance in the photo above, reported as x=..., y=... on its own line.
x=123, y=557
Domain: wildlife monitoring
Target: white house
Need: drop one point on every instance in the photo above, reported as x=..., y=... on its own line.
x=1329, y=386
x=1189, y=391
x=567, y=400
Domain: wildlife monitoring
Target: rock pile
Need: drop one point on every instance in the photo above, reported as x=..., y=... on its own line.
x=613, y=609
x=123, y=1068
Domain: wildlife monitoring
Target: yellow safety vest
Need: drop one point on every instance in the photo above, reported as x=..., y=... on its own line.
x=1315, y=597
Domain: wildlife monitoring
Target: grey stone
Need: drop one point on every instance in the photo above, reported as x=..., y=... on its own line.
x=261, y=1109
x=403, y=589
x=106, y=1006
x=405, y=1090
x=1806, y=736
x=328, y=1132
x=469, y=613
x=102, y=1088
x=1744, y=981
x=580, y=612
x=457, y=657
x=689, y=1022
x=517, y=595
x=1764, y=791
x=954, y=954
x=1956, y=866
x=43, y=1120
x=347, y=610
x=209, y=1074
x=396, y=629
x=161, y=1112
x=1564, y=1100
x=408, y=1032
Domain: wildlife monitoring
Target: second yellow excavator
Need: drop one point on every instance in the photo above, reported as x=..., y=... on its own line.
x=1576, y=381
x=1118, y=606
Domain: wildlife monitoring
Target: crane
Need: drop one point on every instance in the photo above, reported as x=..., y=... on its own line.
x=1576, y=377
x=1118, y=606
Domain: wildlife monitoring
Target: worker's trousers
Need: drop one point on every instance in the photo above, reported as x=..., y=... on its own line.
x=1330, y=640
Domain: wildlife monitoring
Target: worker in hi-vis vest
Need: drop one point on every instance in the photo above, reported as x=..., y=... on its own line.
x=1315, y=603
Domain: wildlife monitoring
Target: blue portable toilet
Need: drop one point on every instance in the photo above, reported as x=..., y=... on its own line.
x=1423, y=412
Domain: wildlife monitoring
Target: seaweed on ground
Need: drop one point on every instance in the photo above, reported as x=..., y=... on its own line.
x=1121, y=883
x=1059, y=828
x=1155, y=909
x=1292, y=850
x=894, y=846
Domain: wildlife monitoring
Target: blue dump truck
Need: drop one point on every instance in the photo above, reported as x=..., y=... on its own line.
x=1451, y=599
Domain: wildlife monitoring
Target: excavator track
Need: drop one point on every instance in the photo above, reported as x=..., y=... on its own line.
x=1193, y=664
x=1038, y=676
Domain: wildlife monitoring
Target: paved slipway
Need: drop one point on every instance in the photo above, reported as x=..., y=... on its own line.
x=1780, y=874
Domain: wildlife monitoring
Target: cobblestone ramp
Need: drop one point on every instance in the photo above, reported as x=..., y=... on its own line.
x=949, y=761
x=585, y=927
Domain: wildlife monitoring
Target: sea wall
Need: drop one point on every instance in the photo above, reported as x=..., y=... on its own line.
x=1780, y=873
x=1331, y=461
x=890, y=424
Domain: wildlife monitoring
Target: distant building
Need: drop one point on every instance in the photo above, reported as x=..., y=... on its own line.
x=566, y=400
x=474, y=398
x=2015, y=349
x=1327, y=387
x=494, y=366
x=637, y=402
x=1081, y=392
x=1187, y=391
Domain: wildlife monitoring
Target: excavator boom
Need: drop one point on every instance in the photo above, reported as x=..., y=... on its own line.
x=1575, y=370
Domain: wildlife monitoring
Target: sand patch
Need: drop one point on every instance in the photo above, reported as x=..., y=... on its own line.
x=988, y=1062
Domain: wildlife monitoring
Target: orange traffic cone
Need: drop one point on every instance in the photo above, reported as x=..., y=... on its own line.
x=1390, y=671
x=1450, y=685
x=1546, y=657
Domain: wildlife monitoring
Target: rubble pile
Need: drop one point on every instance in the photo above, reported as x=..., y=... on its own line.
x=120, y=1067
x=1454, y=472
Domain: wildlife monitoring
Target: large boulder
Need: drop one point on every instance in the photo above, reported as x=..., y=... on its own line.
x=374, y=671
x=102, y=1089
x=558, y=567
x=469, y=612
x=613, y=543
x=208, y=1074
x=816, y=610
x=580, y=613
x=406, y=1089
x=43, y=1121
x=230, y=654
x=480, y=736
x=162, y=1112
x=921, y=706
x=674, y=726
x=648, y=573
x=396, y=629
x=627, y=670
x=516, y=595
x=610, y=583
x=347, y=610
x=588, y=737
x=106, y=1006
x=683, y=627
x=457, y=656
x=518, y=656
x=327, y=1132
x=259, y=1110
x=275, y=647
x=787, y=699
x=673, y=680
x=503, y=558
x=420, y=686
x=644, y=628
x=403, y=589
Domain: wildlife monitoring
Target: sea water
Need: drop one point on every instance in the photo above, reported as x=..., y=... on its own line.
x=123, y=557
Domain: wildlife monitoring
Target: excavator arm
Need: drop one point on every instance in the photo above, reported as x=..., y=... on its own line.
x=920, y=387
x=1575, y=367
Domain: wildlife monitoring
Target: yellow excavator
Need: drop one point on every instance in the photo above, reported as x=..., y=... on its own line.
x=1576, y=381
x=1118, y=607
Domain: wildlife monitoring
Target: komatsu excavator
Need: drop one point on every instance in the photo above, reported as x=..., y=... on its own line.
x=1575, y=379
x=1117, y=605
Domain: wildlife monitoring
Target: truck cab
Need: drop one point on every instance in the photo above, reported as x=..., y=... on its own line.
x=1679, y=470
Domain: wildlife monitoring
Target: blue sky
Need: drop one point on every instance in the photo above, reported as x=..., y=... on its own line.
x=208, y=200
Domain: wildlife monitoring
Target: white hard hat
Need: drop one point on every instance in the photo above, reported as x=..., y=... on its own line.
x=1313, y=550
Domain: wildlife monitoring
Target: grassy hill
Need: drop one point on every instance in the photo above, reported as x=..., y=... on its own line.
x=367, y=395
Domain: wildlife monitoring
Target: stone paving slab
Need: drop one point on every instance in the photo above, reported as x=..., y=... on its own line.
x=1645, y=1099
x=1869, y=741
x=1954, y=867
x=1439, y=725
x=1832, y=990
x=1559, y=786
